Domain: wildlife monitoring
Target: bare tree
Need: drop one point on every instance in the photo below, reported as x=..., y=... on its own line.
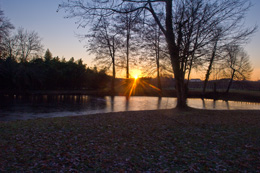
x=222, y=37
x=238, y=64
x=5, y=28
x=103, y=43
x=28, y=44
x=188, y=26
x=154, y=49
x=22, y=45
x=211, y=59
x=127, y=25
x=9, y=47
x=5, y=25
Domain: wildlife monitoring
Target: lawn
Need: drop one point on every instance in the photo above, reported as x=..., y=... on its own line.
x=161, y=140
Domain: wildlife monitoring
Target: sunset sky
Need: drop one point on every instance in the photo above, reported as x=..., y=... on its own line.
x=59, y=34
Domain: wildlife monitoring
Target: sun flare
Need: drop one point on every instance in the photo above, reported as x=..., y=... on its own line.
x=136, y=74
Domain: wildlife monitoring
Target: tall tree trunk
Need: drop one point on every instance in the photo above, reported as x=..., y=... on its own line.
x=113, y=78
x=210, y=67
x=159, y=85
x=114, y=67
x=188, y=80
x=181, y=89
x=230, y=81
x=127, y=52
x=175, y=59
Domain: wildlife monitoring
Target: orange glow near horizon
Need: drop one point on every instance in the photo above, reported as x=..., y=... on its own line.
x=138, y=86
x=135, y=74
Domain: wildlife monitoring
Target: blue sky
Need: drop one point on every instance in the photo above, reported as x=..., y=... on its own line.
x=59, y=34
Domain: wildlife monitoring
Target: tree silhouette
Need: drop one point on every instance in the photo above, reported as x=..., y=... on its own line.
x=238, y=64
x=5, y=28
x=189, y=26
x=154, y=48
x=211, y=59
x=28, y=44
x=23, y=45
x=127, y=24
x=48, y=55
x=52, y=74
x=104, y=41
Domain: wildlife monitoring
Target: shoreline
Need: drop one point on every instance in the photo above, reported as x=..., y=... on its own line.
x=237, y=95
x=208, y=114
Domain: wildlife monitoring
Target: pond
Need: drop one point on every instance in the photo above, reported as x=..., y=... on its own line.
x=20, y=108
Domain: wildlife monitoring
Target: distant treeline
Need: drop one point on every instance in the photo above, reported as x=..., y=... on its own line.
x=49, y=74
x=220, y=84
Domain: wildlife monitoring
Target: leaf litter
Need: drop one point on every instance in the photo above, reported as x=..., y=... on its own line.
x=147, y=141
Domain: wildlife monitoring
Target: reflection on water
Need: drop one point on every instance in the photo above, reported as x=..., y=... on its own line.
x=62, y=105
x=222, y=105
x=122, y=103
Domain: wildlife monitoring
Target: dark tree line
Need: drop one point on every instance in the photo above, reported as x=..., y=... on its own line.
x=22, y=68
x=49, y=74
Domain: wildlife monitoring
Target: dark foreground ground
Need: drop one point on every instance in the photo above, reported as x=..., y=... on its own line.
x=163, y=140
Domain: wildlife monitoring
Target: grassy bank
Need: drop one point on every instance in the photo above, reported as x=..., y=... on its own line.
x=161, y=140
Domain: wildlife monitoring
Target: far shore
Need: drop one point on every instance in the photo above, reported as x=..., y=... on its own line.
x=233, y=95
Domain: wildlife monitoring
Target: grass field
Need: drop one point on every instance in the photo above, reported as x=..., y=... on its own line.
x=161, y=140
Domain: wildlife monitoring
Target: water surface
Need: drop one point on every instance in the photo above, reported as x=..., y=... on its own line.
x=57, y=106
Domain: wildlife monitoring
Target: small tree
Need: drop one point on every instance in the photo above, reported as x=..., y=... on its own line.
x=48, y=55
x=127, y=24
x=104, y=43
x=28, y=44
x=5, y=28
x=9, y=47
x=154, y=48
x=211, y=59
x=238, y=64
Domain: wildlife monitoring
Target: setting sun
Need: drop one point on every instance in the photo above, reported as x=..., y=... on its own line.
x=136, y=74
